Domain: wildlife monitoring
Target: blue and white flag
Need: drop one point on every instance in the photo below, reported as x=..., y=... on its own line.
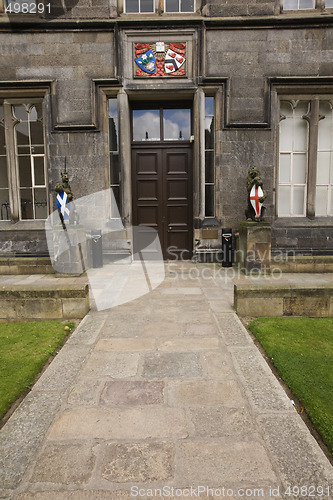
x=63, y=204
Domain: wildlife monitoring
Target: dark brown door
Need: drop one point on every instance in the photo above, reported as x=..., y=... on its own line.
x=162, y=196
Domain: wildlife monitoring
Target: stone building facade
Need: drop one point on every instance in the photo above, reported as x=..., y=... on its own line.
x=230, y=85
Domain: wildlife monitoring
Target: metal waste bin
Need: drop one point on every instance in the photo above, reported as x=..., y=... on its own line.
x=96, y=248
x=226, y=247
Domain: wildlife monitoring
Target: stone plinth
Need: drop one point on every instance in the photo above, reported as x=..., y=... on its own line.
x=40, y=301
x=70, y=250
x=254, y=253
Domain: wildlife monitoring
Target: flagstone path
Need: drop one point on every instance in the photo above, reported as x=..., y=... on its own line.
x=165, y=396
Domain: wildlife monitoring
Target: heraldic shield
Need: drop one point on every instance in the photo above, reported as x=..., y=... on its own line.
x=147, y=62
x=63, y=205
x=173, y=61
x=255, y=194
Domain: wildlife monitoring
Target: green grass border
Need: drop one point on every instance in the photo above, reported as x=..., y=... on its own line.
x=301, y=349
x=25, y=348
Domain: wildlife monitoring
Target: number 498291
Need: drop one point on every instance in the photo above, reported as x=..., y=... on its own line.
x=27, y=8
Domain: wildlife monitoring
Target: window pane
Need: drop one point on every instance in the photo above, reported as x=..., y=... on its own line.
x=284, y=200
x=177, y=124
x=306, y=4
x=146, y=125
x=40, y=204
x=113, y=124
x=25, y=171
x=298, y=208
x=113, y=108
x=329, y=3
x=187, y=5
x=299, y=168
x=286, y=134
x=114, y=170
x=116, y=194
x=21, y=113
x=132, y=5
x=286, y=108
x=26, y=204
x=302, y=108
x=147, y=6
x=36, y=131
x=209, y=132
x=325, y=126
x=285, y=168
x=2, y=140
x=22, y=134
x=209, y=201
x=300, y=134
x=290, y=4
x=321, y=200
x=323, y=167
x=39, y=170
x=209, y=106
x=209, y=166
x=3, y=172
x=4, y=205
x=113, y=135
x=171, y=5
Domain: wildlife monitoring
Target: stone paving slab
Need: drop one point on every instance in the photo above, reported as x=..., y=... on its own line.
x=166, y=394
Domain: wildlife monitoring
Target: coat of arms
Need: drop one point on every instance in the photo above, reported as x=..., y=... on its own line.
x=160, y=59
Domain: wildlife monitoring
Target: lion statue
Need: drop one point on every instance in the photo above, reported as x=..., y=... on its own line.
x=254, y=179
x=64, y=186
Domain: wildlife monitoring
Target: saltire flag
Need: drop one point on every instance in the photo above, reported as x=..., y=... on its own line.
x=63, y=205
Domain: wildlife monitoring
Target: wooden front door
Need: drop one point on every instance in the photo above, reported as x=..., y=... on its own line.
x=162, y=195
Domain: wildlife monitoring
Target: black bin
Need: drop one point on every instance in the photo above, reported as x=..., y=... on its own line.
x=96, y=248
x=226, y=247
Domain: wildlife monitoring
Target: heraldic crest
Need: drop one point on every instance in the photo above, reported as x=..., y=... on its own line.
x=255, y=195
x=160, y=59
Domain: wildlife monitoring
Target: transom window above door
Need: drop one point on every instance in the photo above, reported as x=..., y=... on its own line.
x=163, y=124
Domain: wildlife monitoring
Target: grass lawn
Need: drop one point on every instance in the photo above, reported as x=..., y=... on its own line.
x=24, y=350
x=302, y=351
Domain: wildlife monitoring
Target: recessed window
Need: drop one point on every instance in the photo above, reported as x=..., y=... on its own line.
x=293, y=159
x=209, y=156
x=306, y=157
x=139, y=6
x=324, y=184
x=25, y=135
x=179, y=5
x=299, y=4
x=114, y=155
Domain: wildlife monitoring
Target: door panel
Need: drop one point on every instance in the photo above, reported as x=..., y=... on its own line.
x=162, y=195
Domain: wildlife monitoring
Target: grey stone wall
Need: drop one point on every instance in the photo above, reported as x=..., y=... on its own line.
x=230, y=8
x=247, y=59
x=242, y=59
